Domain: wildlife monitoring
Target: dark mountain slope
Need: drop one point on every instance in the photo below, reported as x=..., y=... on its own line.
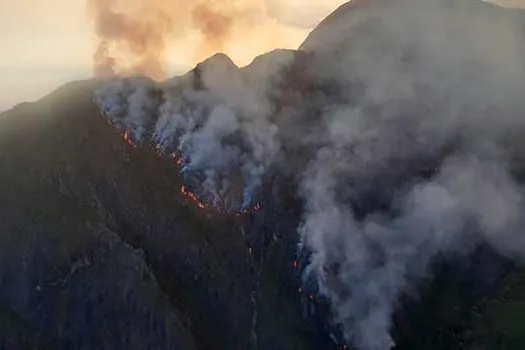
x=100, y=250
x=65, y=272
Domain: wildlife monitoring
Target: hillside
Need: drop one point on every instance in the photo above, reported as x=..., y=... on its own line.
x=101, y=250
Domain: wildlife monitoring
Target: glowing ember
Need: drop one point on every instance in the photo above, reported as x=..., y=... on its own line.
x=201, y=204
x=192, y=197
x=158, y=148
x=295, y=264
x=178, y=159
x=127, y=138
x=180, y=162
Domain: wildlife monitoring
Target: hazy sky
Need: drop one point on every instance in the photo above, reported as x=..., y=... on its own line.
x=45, y=43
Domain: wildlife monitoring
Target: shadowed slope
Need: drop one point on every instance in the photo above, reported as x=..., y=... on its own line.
x=113, y=255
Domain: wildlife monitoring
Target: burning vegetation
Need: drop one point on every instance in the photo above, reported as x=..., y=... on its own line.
x=127, y=138
x=191, y=196
x=184, y=190
x=309, y=296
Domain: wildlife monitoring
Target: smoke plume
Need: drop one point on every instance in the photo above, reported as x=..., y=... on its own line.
x=400, y=120
x=134, y=37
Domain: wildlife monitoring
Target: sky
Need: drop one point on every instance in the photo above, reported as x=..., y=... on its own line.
x=45, y=43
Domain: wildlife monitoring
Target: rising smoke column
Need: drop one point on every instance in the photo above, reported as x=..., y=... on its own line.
x=405, y=141
x=133, y=36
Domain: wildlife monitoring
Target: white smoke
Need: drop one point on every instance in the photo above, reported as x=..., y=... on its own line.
x=217, y=117
x=130, y=103
x=401, y=125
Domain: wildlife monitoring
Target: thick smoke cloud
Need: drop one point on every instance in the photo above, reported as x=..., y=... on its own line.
x=134, y=37
x=217, y=118
x=400, y=120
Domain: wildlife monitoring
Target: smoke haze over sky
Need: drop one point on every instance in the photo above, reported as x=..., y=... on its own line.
x=45, y=43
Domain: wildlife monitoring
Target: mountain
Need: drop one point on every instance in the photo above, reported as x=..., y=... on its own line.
x=101, y=250
x=365, y=189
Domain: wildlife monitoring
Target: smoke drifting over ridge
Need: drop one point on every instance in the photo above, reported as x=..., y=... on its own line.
x=401, y=121
x=134, y=37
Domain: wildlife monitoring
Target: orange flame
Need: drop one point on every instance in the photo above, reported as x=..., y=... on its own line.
x=127, y=138
x=183, y=190
x=178, y=159
x=192, y=197
x=295, y=264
